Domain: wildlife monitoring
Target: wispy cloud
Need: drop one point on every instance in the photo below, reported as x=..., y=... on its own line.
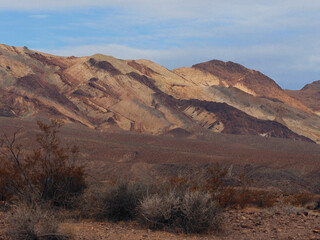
x=178, y=57
x=39, y=16
x=276, y=37
x=277, y=61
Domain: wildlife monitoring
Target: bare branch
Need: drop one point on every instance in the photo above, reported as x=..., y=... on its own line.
x=14, y=155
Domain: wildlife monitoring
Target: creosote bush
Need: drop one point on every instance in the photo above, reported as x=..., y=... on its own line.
x=50, y=173
x=117, y=202
x=177, y=211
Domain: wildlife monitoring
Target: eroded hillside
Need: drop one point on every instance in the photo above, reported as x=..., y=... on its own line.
x=106, y=93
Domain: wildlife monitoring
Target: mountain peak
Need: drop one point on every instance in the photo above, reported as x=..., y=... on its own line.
x=214, y=66
x=104, y=92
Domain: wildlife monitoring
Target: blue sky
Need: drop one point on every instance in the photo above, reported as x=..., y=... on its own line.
x=278, y=38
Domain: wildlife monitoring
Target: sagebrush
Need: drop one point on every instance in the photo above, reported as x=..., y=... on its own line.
x=33, y=223
x=188, y=211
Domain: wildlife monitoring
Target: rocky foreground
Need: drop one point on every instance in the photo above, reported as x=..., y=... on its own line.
x=244, y=224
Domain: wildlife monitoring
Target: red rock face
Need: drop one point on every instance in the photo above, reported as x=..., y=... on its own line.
x=106, y=93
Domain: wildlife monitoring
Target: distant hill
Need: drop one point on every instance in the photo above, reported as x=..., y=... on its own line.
x=309, y=95
x=109, y=94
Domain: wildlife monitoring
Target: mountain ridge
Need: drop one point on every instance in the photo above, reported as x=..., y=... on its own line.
x=105, y=93
x=308, y=95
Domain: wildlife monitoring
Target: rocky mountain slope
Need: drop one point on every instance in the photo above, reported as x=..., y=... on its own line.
x=309, y=95
x=106, y=93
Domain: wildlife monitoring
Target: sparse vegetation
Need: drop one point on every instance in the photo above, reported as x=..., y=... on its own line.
x=188, y=211
x=117, y=202
x=50, y=176
x=32, y=223
x=299, y=199
x=239, y=195
x=49, y=173
x=284, y=208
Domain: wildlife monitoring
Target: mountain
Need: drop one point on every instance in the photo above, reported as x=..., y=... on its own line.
x=309, y=95
x=109, y=94
x=253, y=93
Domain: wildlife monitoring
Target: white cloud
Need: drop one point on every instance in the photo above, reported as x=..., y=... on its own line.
x=251, y=29
x=274, y=55
x=173, y=8
x=118, y=51
x=280, y=62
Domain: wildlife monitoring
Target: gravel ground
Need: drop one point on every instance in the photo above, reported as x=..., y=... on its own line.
x=241, y=225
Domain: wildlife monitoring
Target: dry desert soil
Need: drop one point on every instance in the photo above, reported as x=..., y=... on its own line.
x=238, y=224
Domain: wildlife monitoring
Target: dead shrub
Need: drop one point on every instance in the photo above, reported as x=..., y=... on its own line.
x=33, y=223
x=189, y=212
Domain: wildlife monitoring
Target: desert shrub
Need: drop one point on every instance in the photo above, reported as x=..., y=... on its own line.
x=299, y=199
x=5, y=193
x=317, y=203
x=262, y=199
x=178, y=182
x=189, y=212
x=225, y=196
x=123, y=200
x=234, y=198
x=93, y=203
x=244, y=195
x=215, y=184
x=228, y=197
x=33, y=223
x=116, y=202
x=238, y=196
x=284, y=208
x=49, y=173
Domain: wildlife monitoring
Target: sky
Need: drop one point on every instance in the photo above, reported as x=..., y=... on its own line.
x=279, y=38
